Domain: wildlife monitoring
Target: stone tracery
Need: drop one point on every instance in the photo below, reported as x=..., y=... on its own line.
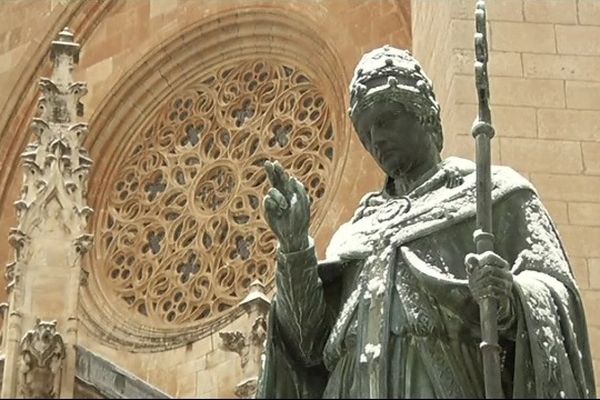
x=183, y=237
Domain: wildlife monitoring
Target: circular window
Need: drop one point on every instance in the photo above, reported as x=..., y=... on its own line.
x=178, y=178
x=183, y=235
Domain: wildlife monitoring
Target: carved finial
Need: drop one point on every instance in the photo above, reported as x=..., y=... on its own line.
x=256, y=298
x=65, y=45
x=257, y=287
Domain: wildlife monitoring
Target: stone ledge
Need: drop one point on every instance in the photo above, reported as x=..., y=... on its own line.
x=111, y=381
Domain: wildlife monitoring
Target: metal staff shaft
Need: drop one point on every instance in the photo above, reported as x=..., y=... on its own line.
x=483, y=131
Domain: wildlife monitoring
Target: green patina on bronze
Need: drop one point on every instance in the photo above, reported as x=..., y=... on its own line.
x=393, y=311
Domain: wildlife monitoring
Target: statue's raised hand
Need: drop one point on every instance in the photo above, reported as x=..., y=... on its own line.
x=287, y=209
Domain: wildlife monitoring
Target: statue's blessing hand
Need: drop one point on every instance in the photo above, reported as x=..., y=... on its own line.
x=287, y=209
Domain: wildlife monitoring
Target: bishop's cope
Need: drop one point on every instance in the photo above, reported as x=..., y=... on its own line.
x=393, y=310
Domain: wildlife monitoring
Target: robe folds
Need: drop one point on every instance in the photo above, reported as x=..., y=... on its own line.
x=389, y=312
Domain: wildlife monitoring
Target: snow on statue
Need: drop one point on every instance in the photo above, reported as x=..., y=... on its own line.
x=394, y=309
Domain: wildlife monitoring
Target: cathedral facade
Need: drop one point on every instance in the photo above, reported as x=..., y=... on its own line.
x=133, y=135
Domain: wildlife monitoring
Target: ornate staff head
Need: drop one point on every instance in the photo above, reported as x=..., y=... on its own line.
x=388, y=74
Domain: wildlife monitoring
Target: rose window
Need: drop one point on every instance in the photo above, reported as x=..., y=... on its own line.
x=183, y=235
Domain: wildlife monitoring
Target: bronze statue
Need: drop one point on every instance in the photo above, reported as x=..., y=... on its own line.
x=393, y=311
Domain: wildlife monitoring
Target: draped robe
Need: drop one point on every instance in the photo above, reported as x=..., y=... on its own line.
x=389, y=312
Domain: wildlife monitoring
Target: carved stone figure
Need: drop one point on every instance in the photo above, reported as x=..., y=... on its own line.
x=42, y=354
x=393, y=311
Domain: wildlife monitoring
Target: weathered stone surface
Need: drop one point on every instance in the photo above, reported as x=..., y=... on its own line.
x=523, y=37
x=583, y=95
x=577, y=39
x=110, y=380
x=569, y=124
x=566, y=67
x=588, y=12
x=533, y=155
x=552, y=11
x=41, y=362
x=50, y=238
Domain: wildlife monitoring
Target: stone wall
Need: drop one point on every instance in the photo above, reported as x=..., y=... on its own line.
x=545, y=81
x=116, y=36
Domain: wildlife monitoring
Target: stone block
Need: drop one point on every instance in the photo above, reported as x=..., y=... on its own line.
x=461, y=34
x=113, y=44
x=527, y=92
x=196, y=365
x=11, y=38
x=507, y=91
x=218, y=356
x=205, y=384
x=567, y=187
x=588, y=12
x=186, y=385
x=99, y=72
x=593, y=265
x=522, y=37
x=591, y=157
x=385, y=22
x=501, y=63
x=498, y=10
x=558, y=66
x=460, y=119
x=594, y=336
x=583, y=95
x=226, y=376
x=555, y=11
x=508, y=121
x=591, y=299
x=578, y=39
x=579, y=266
x=569, y=124
x=558, y=211
x=596, y=366
x=514, y=121
x=160, y=7
x=10, y=59
x=581, y=241
x=534, y=155
x=584, y=213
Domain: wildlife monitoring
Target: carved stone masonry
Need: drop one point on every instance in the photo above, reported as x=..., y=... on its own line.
x=4, y=316
x=50, y=238
x=56, y=166
x=40, y=364
x=183, y=238
x=250, y=345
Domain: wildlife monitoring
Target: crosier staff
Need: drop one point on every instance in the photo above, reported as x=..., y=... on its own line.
x=483, y=131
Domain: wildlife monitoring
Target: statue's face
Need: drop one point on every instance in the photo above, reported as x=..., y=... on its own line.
x=394, y=137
